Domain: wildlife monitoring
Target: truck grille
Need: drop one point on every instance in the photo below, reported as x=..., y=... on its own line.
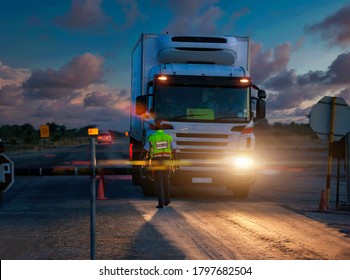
x=198, y=143
x=196, y=150
x=201, y=135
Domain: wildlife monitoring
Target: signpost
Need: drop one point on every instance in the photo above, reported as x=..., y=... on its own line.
x=92, y=132
x=44, y=131
x=7, y=174
x=329, y=119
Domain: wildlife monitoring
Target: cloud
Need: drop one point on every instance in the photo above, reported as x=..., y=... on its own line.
x=194, y=16
x=338, y=71
x=73, y=95
x=11, y=80
x=336, y=74
x=334, y=29
x=131, y=13
x=52, y=84
x=345, y=94
x=89, y=14
x=292, y=91
x=266, y=63
x=287, y=93
x=10, y=95
x=10, y=76
x=109, y=98
x=82, y=14
x=98, y=99
x=203, y=17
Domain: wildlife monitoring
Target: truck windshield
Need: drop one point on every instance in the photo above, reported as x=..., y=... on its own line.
x=202, y=104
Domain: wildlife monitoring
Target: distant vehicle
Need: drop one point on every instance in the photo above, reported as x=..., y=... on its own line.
x=2, y=149
x=104, y=137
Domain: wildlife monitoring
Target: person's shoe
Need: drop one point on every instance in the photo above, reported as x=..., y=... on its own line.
x=159, y=206
x=167, y=203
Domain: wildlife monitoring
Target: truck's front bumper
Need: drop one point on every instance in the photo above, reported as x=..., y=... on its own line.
x=213, y=178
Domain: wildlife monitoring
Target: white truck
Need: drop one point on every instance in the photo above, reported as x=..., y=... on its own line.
x=201, y=89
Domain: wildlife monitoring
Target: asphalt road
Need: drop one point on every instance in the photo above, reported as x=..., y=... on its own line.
x=48, y=217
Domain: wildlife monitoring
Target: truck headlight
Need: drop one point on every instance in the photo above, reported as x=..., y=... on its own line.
x=241, y=162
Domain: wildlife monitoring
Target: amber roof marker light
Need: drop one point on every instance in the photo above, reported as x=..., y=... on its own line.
x=162, y=78
x=244, y=81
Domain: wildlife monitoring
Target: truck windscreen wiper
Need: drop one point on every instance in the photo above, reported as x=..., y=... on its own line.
x=226, y=118
x=187, y=115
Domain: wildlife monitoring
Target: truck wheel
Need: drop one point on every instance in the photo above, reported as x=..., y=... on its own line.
x=136, y=169
x=136, y=176
x=241, y=191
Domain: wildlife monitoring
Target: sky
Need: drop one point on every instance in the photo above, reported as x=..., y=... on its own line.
x=69, y=61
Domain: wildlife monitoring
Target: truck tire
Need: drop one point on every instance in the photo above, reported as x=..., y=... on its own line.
x=136, y=169
x=136, y=176
x=241, y=191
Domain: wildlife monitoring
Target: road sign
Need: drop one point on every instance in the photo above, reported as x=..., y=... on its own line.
x=7, y=174
x=93, y=131
x=44, y=131
x=320, y=118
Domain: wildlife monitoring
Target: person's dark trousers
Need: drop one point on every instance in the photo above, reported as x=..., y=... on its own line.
x=162, y=182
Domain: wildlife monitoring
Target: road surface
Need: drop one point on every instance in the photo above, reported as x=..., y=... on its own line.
x=48, y=217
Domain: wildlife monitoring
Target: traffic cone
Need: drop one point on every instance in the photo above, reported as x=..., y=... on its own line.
x=323, y=204
x=101, y=190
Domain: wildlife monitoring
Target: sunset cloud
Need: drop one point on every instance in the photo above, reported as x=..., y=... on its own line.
x=74, y=94
x=82, y=14
x=265, y=63
x=73, y=76
x=289, y=90
x=10, y=95
x=54, y=84
x=194, y=17
x=10, y=76
x=334, y=29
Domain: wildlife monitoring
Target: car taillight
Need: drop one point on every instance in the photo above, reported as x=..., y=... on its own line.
x=130, y=151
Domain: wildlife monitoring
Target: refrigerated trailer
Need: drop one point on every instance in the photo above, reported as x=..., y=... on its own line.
x=201, y=89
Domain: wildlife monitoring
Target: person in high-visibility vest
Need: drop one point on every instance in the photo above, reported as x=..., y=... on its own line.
x=161, y=149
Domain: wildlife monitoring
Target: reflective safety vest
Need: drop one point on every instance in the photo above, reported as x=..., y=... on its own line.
x=160, y=144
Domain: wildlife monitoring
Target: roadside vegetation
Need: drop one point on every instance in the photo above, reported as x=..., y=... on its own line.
x=24, y=137
x=292, y=135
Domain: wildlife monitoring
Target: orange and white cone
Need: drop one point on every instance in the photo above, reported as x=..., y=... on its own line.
x=101, y=190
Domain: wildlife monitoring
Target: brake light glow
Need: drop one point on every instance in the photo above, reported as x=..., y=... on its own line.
x=130, y=151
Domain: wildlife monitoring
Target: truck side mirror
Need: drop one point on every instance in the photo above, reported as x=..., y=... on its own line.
x=260, y=108
x=261, y=93
x=141, y=104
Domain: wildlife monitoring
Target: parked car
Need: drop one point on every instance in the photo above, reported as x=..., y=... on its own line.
x=2, y=148
x=104, y=137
